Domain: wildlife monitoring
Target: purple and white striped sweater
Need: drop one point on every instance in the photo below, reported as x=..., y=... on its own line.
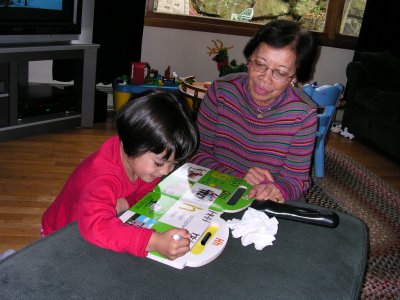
x=233, y=139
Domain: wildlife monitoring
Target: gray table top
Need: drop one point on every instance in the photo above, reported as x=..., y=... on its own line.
x=305, y=262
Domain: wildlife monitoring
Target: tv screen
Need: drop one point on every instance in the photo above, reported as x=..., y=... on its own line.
x=39, y=18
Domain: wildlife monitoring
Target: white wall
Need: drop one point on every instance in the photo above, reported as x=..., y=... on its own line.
x=331, y=65
x=186, y=52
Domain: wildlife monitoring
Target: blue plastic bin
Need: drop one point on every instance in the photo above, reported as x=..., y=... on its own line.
x=122, y=91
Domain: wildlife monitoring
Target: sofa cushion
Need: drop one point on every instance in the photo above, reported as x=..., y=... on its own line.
x=383, y=68
x=380, y=102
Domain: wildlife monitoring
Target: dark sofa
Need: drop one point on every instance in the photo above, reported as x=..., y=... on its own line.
x=372, y=111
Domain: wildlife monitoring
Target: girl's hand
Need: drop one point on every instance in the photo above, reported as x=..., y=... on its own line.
x=256, y=175
x=266, y=191
x=169, y=246
x=122, y=205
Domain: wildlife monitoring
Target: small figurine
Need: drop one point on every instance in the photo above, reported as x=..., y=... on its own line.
x=167, y=73
x=222, y=59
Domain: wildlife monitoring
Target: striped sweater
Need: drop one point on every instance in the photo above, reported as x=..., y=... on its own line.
x=233, y=139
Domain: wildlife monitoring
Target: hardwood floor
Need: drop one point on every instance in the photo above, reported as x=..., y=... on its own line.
x=34, y=169
x=373, y=159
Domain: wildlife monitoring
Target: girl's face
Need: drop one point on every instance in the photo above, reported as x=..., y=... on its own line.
x=264, y=87
x=150, y=166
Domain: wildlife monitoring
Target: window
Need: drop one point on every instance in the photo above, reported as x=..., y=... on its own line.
x=334, y=23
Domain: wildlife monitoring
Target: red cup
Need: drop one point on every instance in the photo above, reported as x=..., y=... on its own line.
x=137, y=72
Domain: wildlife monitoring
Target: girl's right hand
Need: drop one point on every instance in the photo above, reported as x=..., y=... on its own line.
x=165, y=244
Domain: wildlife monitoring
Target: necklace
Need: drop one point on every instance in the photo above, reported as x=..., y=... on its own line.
x=261, y=114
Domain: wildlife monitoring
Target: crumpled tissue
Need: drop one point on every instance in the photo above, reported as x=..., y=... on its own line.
x=343, y=132
x=254, y=227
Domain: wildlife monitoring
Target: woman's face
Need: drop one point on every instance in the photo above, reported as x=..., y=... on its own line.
x=264, y=88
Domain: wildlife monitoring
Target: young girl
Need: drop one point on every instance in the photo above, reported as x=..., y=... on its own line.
x=155, y=132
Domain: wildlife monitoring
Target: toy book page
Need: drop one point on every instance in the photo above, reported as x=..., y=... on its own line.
x=160, y=212
x=193, y=198
x=207, y=188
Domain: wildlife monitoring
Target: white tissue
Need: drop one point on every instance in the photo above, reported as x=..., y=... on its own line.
x=336, y=128
x=343, y=132
x=254, y=227
x=347, y=134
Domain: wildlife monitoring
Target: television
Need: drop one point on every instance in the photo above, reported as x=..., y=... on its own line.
x=38, y=21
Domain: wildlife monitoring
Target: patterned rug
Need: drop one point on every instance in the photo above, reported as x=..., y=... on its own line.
x=350, y=187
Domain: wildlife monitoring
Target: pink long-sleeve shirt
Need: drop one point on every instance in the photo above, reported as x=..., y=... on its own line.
x=90, y=197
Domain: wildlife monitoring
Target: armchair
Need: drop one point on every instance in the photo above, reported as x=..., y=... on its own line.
x=372, y=110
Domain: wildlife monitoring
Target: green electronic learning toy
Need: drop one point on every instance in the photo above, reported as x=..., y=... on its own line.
x=192, y=197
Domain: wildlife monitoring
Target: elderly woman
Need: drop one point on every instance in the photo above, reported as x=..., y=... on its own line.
x=256, y=125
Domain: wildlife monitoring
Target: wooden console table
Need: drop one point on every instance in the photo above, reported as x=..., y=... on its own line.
x=14, y=60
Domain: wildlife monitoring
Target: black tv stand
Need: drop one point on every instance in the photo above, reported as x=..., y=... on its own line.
x=27, y=108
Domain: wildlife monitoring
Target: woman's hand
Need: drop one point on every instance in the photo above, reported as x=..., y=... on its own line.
x=266, y=191
x=257, y=175
x=167, y=243
x=263, y=187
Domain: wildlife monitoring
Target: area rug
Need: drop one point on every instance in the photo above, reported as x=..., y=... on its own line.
x=351, y=188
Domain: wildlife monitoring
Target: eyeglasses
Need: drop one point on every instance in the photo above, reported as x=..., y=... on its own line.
x=276, y=74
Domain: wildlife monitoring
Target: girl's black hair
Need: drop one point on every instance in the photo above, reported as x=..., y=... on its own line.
x=282, y=33
x=157, y=121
